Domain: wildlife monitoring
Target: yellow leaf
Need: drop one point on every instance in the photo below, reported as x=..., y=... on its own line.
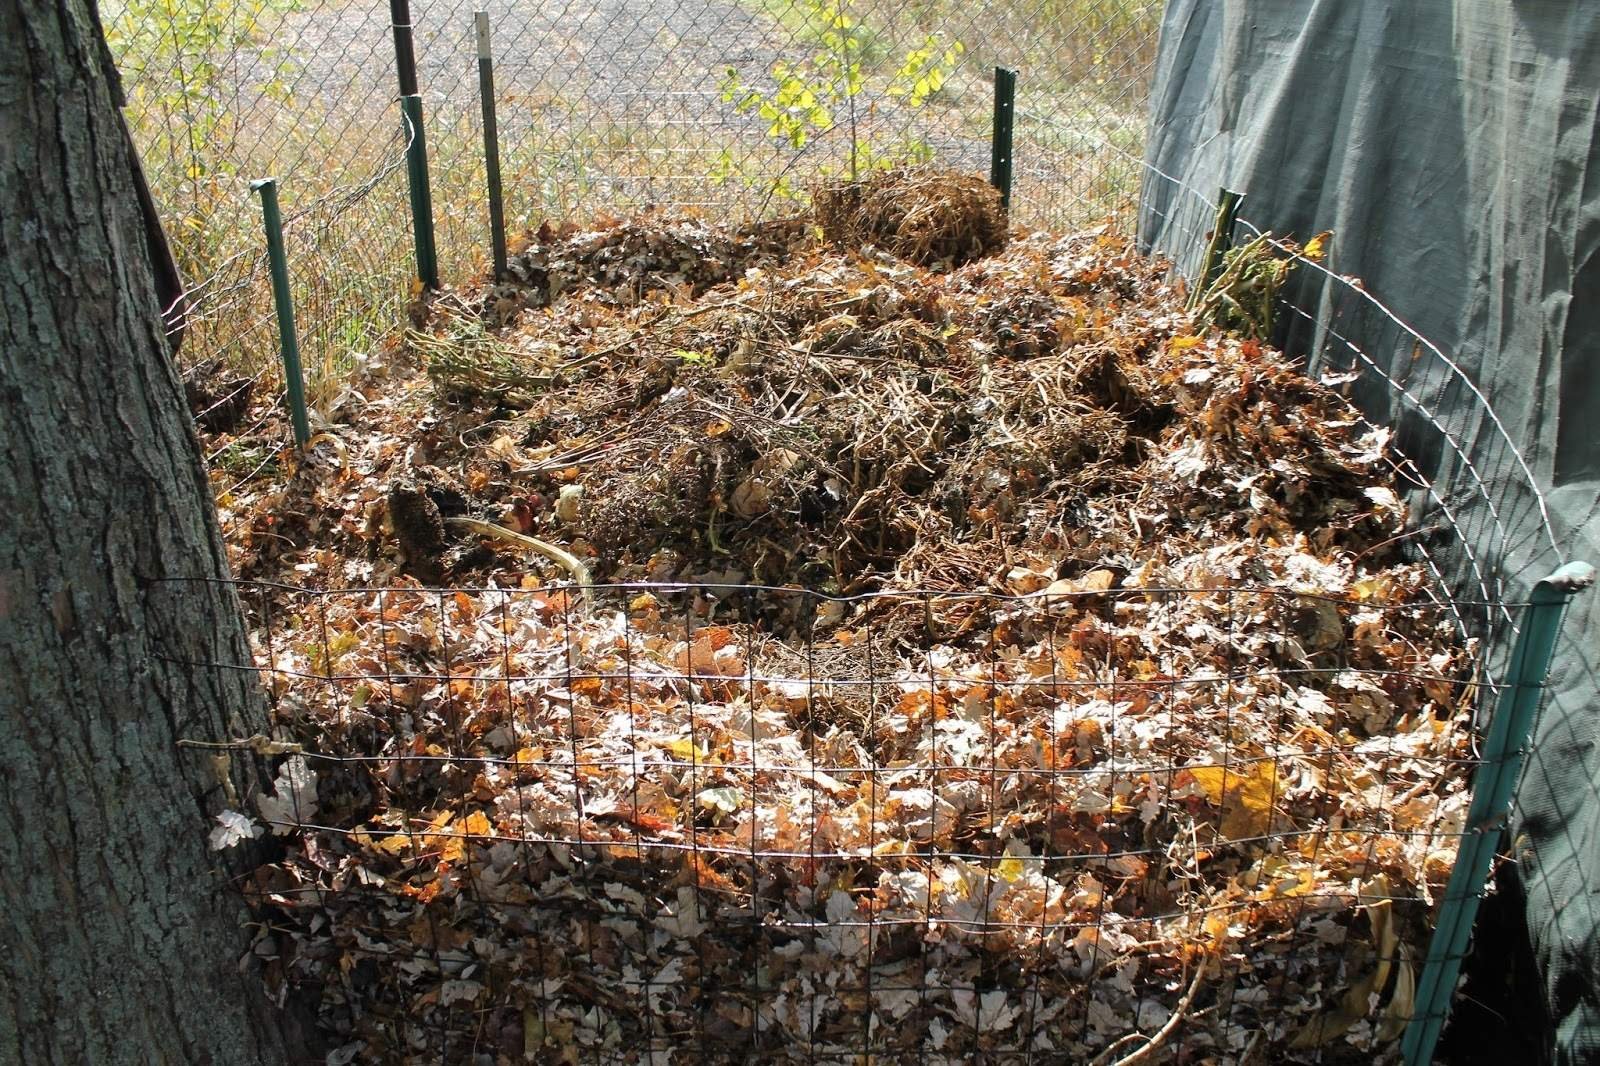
x=455, y=847
x=1245, y=791
x=1276, y=877
x=686, y=749
x=527, y=756
x=436, y=839
x=1178, y=344
x=1010, y=868
x=1402, y=1001
x=1212, y=938
x=1316, y=247
x=395, y=843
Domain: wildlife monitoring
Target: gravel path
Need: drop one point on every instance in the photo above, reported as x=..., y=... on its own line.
x=575, y=62
x=593, y=50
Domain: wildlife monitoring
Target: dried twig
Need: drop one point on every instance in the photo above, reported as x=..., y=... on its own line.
x=560, y=556
x=1159, y=1037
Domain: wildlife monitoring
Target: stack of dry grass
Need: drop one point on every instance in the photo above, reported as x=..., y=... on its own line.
x=934, y=218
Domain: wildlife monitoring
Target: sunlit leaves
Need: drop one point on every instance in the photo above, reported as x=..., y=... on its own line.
x=811, y=98
x=1244, y=791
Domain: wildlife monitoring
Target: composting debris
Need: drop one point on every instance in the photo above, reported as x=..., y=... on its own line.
x=1089, y=708
x=627, y=260
x=933, y=218
x=217, y=400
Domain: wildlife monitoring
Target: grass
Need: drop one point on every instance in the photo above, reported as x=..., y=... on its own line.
x=205, y=123
x=350, y=248
x=1060, y=46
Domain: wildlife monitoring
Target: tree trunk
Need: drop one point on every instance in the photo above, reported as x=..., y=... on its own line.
x=121, y=939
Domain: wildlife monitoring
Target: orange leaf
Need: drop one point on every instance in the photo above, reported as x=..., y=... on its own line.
x=701, y=656
x=528, y=756
x=917, y=703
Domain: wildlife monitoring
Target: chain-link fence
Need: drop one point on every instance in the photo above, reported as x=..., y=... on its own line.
x=731, y=107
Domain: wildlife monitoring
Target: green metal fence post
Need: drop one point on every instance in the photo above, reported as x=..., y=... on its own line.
x=421, y=194
x=491, y=145
x=1492, y=787
x=1222, y=227
x=417, y=149
x=1005, y=111
x=272, y=221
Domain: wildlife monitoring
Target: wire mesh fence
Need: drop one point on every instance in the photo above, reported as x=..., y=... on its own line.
x=725, y=823
x=1477, y=509
x=1478, y=500
x=731, y=109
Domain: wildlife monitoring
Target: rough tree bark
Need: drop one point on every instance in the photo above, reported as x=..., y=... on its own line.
x=120, y=940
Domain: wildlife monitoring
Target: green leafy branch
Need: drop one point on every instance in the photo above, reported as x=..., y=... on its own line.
x=925, y=69
x=807, y=99
x=182, y=58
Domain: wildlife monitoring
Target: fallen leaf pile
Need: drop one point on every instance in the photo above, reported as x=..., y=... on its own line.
x=1088, y=707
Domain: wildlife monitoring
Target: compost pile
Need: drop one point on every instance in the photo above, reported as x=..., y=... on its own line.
x=1092, y=711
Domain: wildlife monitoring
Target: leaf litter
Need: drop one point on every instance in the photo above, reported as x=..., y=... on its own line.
x=1090, y=701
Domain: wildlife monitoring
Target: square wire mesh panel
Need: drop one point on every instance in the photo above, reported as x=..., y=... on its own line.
x=678, y=823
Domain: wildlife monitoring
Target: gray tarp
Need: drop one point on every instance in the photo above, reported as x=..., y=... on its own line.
x=1453, y=150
